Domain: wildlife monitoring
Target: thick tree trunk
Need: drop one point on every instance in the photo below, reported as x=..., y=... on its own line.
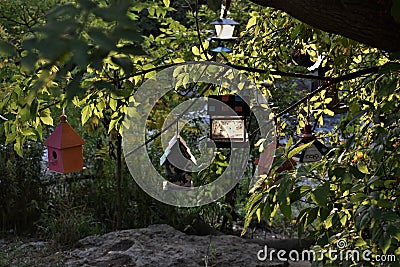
x=367, y=21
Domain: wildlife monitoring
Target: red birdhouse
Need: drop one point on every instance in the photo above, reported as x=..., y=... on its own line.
x=64, y=147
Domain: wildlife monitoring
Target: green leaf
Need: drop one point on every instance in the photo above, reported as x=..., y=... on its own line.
x=132, y=49
x=329, y=112
x=28, y=63
x=196, y=51
x=112, y=125
x=101, y=38
x=373, y=180
x=252, y=21
x=258, y=213
x=286, y=210
x=7, y=49
x=29, y=43
x=47, y=120
x=320, y=194
x=358, y=197
x=124, y=62
x=86, y=4
x=298, y=149
x=362, y=167
x=360, y=242
x=18, y=147
x=329, y=221
x=86, y=114
x=80, y=55
x=343, y=220
x=113, y=104
x=311, y=215
x=385, y=241
x=285, y=185
x=25, y=113
x=60, y=11
x=289, y=144
x=166, y=2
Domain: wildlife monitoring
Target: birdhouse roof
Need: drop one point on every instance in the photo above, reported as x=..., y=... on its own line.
x=64, y=136
x=175, y=141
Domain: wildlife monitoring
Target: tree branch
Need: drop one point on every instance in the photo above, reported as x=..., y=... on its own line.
x=343, y=78
x=282, y=73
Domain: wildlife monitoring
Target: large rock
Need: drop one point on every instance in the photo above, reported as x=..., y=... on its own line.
x=162, y=245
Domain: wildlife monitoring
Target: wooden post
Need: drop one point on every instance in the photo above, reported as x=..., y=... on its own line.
x=118, y=178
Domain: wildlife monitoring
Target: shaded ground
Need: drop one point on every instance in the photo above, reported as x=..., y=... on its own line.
x=157, y=245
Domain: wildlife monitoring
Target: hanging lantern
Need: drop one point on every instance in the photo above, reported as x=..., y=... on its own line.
x=221, y=48
x=64, y=147
x=315, y=151
x=178, y=160
x=227, y=118
x=224, y=29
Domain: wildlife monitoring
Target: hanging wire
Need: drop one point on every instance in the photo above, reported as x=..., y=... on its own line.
x=208, y=86
x=177, y=125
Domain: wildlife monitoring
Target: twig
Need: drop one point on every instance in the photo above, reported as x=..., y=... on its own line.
x=198, y=30
x=281, y=73
x=343, y=78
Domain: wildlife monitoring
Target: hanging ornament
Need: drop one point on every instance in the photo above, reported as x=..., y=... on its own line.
x=178, y=160
x=224, y=29
x=227, y=118
x=64, y=147
x=315, y=151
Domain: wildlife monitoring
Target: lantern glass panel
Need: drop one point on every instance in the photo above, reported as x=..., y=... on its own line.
x=224, y=31
x=229, y=130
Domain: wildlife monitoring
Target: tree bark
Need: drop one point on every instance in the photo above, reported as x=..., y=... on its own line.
x=366, y=21
x=118, y=177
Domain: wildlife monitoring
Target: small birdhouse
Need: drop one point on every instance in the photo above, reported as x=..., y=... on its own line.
x=227, y=117
x=178, y=161
x=64, y=147
x=312, y=153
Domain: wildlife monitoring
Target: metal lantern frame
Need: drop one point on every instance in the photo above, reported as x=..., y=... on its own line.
x=224, y=29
